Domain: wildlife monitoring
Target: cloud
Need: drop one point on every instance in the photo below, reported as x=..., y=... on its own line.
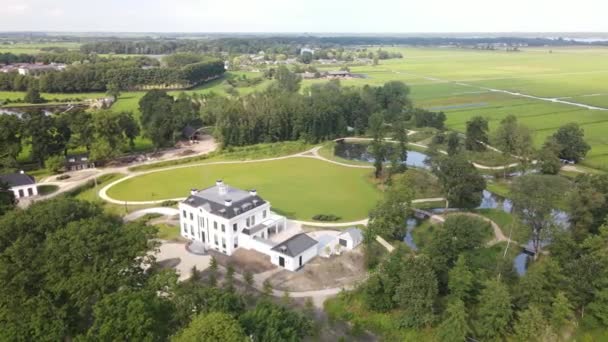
x=56, y=12
x=14, y=9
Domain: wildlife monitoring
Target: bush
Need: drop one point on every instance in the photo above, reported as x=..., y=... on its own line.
x=326, y=217
x=168, y=203
x=55, y=163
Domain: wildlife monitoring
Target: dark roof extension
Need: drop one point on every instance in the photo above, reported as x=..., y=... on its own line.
x=213, y=201
x=17, y=179
x=295, y=245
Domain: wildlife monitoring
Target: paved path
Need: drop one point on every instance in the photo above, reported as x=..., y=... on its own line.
x=166, y=211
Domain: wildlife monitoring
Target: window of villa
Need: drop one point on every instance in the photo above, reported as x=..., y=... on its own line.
x=191, y=216
x=214, y=225
x=223, y=243
x=191, y=230
x=253, y=220
x=215, y=240
x=264, y=214
x=185, y=229
x=235, y=227
x=247, y=222
x=236, y=243
x=223, y=228
x=184, y=213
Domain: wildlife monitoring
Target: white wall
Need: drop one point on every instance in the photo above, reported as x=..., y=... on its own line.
x=24, y=190
x=293, y=263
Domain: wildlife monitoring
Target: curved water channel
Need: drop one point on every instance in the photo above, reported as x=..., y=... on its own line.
x=360, y=152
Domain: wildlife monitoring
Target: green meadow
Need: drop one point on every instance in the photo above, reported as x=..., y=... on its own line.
x=457, y=81
x=345, y=192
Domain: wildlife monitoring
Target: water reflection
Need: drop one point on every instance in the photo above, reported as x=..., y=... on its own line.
x=409, y=238
x=362, y=152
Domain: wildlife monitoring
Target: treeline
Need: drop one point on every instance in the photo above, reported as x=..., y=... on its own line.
x=128, y=74
x=325, y=111
x=66, y=57
x=290, y=45
x=72, y=272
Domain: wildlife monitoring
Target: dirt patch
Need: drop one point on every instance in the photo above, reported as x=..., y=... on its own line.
x=244, y=260
x=321, y=273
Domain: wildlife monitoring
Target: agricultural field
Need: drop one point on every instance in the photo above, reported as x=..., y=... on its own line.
x=34, y=48
x=345, y=192
x=464, y=83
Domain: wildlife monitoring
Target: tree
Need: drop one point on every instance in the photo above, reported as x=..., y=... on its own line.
x=461, y=280
x=212, y=327
x=454, y=327
x=534, y=198
x=461, y=181
x=598, y=308
x=46, y=140
x=530, y=325
x=267, y=288
x=548, y=161
x=229, y=279
x=81, y=127
x=376, y=129
x=55, y=163
x=10, y=141
x=494, y=312
x=287, y=80
x=540, y=285
x=561, y=311
x=476, y=134
x=570, y=139
x=270, y=322
x=400, y=152
x=588, y=205
x=113, y=90
x=33, y=95
x=453, y=143
x=58, y=259
x=417, y=291
x=388, y=217
x=131, y=316
x=7, y=198
x=514, y=138
x=248, y=276
x=157, y=120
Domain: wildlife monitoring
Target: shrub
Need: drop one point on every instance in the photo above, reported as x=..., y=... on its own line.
x=326, y=217
x=168, y=203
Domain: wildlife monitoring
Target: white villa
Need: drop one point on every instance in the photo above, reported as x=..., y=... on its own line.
x=21, y=184
x=224, y=218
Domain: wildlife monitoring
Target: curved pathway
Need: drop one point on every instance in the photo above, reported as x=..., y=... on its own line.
x=166, y=211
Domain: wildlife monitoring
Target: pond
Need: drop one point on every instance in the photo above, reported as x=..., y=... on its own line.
x=19, y=113
x=362, y=152
x=493, y=201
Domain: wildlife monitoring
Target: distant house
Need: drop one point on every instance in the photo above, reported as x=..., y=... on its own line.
x=21, y=184
x=74, y=162
x=307, y=50
x=192, y=133
x=338, y=74
x=350, y=238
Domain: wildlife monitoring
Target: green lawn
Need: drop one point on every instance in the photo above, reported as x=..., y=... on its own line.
x=297, y=187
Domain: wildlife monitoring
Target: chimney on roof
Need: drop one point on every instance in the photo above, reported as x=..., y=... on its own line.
x=253, y=192
x=193, y=191
x=221, y=187
x=228, y=202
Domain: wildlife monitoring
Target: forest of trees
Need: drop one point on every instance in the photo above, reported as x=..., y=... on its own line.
x=127, y=74
x=71, y=272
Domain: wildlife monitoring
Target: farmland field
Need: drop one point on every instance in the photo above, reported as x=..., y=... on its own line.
x=460, y=82
x=293, y=186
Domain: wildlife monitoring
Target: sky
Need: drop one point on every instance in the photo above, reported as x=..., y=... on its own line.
x=304, y=16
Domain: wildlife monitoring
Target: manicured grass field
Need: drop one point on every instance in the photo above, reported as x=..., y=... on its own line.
x=297, y=187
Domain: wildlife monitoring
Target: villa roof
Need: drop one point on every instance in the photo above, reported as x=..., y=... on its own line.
x=214, y=200
x=295, y=245
x=17, y=179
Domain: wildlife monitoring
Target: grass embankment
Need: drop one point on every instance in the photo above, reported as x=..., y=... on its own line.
x=89, y=192
x=297, y=187
x=47, y=189
x=252, y=152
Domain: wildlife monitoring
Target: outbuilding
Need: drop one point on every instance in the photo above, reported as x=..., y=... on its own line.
x=75, y=162
x=21, y=184
x=350, y=238
x=294, y=252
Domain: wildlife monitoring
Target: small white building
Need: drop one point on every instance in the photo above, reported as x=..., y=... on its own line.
x=350, y=238
x=294, y=252
x=21, y=184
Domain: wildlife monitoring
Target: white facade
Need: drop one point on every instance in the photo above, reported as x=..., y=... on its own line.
x=293, y=263
x=226, y=234
x=350, y=238
x=29, y=190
